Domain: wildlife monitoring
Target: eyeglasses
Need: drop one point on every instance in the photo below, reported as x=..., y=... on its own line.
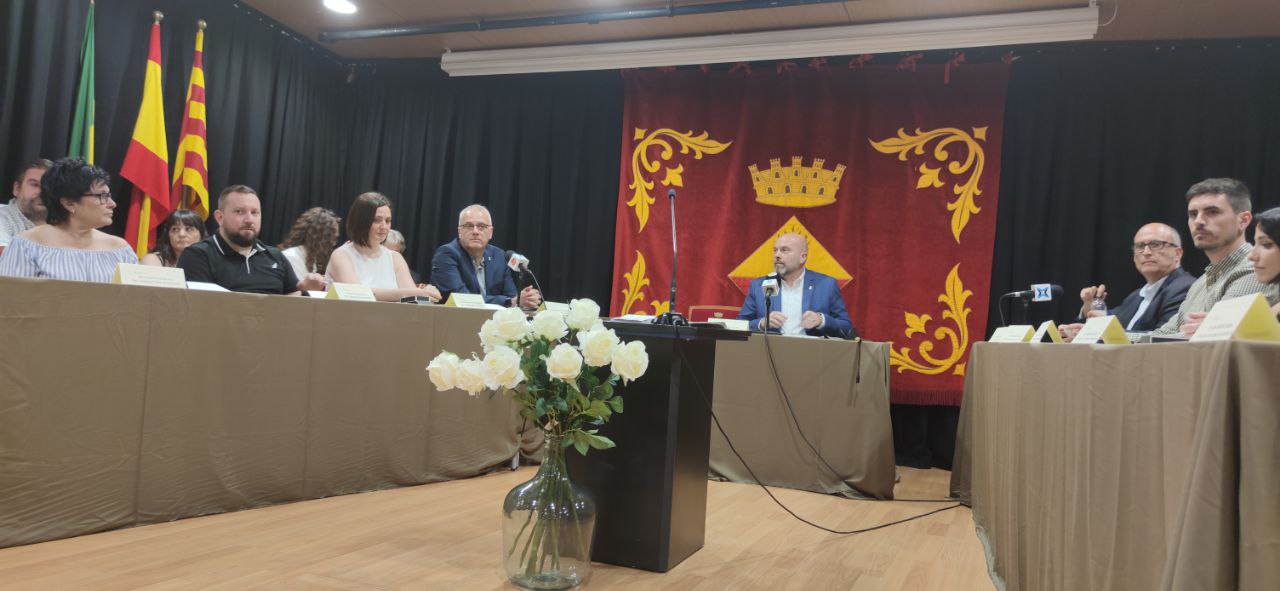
x=469, y=227
x=103, y=197
x=1154, y=245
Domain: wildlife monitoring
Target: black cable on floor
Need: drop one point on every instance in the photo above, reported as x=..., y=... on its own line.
x=773, y=368
x=716, y=421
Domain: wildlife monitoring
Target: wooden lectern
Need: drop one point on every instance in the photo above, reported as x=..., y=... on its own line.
x=651, y=490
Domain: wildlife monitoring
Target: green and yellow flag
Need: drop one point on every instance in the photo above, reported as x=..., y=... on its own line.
x=82, y=127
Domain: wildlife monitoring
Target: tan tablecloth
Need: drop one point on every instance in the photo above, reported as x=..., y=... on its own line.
x=1124, y=467
x=844, y=415
x=123, y=405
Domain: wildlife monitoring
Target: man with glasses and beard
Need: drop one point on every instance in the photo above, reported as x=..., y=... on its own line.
x=1157, y=254
x=471, y=265
x=234, y=258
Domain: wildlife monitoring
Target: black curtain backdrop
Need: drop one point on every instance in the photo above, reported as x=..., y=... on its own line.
x=304, y=129
x=1101, y=139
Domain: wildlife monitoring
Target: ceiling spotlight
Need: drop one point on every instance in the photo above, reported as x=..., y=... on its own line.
x=342, y=6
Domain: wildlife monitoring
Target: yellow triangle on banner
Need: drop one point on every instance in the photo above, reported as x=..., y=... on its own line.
x=760, y=262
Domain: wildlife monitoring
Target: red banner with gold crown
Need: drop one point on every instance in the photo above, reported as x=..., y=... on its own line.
x=892, y=173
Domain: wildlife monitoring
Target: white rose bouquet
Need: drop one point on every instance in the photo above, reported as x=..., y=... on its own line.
x=561, y=368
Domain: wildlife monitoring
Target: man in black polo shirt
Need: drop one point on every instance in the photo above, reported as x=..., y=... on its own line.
x=234, y=258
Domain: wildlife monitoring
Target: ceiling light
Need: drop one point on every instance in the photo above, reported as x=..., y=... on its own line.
x=342, y=6
x=1044, y=26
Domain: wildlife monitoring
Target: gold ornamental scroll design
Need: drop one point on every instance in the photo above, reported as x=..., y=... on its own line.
x=966, y=189
x=643, y=167
x=634, y=292
x=957, y=337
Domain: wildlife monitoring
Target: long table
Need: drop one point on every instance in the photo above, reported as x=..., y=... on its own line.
x=1124, y=467
x=839, y=391
x=126, y=405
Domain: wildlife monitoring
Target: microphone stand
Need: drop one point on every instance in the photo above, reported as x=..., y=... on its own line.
x=672, y=317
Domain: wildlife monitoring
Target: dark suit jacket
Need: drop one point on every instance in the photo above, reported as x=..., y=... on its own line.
x=1163, y=305
x=821, y=294
x=453, y=272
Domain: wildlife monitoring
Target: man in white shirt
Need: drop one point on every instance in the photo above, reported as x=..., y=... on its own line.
x=808, y=302
x=25, y=210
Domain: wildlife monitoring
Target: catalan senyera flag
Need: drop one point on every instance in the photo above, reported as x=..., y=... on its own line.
x=146, y=164
x=82, y=126
x=190, y=166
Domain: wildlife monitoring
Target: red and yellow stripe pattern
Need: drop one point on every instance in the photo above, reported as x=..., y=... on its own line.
x=190, y=167
x=146, y=164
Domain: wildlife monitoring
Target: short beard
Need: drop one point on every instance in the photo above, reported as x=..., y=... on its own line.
x=28, y=211
x=239, y=240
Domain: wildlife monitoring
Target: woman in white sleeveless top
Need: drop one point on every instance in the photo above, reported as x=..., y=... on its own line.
x=365, y=261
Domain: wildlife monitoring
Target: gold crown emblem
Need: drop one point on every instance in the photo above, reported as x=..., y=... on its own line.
x=796, y=185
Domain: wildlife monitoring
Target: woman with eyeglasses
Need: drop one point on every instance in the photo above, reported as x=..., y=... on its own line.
x=69, y=246
x=1265, y=255
x=178, y=231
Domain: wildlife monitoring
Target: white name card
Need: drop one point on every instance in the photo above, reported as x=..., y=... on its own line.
x=1048, y=331
x=1104, y=329
x=732, y=323
x=466, y=300
x=560, y=307
x=350, y=292
x=1016, y=333
x=146, y=275
x=1243, y=318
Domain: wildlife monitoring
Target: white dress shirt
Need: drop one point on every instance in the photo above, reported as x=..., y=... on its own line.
x=1147, y=292
x=793, y=305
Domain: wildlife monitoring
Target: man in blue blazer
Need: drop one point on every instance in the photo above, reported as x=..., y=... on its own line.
x=807, y=303
x=1157, y=254
x=461, y=265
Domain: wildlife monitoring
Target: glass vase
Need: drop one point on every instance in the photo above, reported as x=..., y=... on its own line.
x=547, y=525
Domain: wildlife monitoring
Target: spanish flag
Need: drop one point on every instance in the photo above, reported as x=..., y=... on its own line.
x=190, y=166
x=146, y=164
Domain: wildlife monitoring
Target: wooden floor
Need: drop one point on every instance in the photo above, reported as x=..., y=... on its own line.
x=447, y=536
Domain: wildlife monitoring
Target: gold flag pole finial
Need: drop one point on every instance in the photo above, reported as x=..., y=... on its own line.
x=203, y=25
x=159, y=16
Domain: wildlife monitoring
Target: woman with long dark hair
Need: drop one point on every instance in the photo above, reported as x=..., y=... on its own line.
x=178, y=231
x=311, y=241
x=1265, y=255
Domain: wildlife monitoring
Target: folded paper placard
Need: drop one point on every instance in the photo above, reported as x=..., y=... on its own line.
x=131, y=274
x=1246, y=318
x=466, y=300
x=560, y=307
x=350, y=292
x=731, y=323
x=1017, y=333
x=1047, y=333
x=1104, y=329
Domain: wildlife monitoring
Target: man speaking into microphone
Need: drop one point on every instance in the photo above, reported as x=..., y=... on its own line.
x=807, y=302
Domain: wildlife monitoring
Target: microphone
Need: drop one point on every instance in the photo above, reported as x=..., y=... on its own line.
x=770, y=285
x=519, y=263
x=1039, y=292
x=671, y=317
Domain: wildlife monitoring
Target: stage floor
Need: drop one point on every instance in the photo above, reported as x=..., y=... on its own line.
x=447, y=536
